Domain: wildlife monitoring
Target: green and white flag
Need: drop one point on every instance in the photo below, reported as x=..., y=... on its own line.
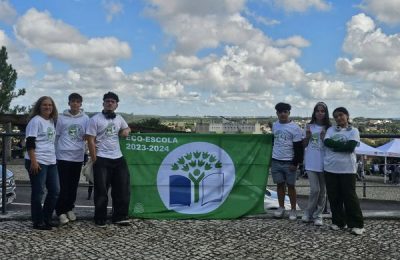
x=181, y=176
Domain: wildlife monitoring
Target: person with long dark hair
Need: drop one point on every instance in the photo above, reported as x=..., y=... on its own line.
x=314, y=163
x=340, y=173
x=40, y=162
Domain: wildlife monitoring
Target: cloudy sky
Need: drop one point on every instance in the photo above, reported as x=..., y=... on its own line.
x=197, y=58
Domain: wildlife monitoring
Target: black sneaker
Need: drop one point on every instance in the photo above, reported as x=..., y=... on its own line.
x=100, y=223
x=51, y=224
x=42, y=227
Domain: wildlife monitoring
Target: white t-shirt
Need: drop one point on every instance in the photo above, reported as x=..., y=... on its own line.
x=70, y=132
x=341, y=162
x=106, y=133
x=284, y=136
x=45, y=133
x=314, y=152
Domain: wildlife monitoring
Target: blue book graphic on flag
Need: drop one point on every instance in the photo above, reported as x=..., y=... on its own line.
x=212, y=188
x=180, y=190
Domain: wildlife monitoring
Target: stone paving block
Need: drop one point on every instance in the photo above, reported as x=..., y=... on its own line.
x=199, y=239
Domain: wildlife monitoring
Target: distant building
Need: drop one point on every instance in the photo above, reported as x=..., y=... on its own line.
x=379, y=121
x=202, y=128
x=228, y=127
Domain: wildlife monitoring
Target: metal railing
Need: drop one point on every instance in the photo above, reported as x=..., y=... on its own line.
x=4, y=168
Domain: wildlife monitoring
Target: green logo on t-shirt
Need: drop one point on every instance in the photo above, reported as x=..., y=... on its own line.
x=339, y=137
x=110, y=130
x=282, y=135
x=74, y=131
x=50, y=134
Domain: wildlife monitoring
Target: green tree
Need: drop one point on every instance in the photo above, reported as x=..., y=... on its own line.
x=196, y=164
x=152, y=122
x=8, y=78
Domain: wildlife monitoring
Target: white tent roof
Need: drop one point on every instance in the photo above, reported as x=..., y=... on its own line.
x=364, y=149
x=391, y=149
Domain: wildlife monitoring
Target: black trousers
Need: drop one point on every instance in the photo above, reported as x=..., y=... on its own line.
x=69, y=174
x=112, y=173
x=345, y=206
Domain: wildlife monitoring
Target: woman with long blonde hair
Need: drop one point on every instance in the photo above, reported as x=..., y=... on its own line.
x=40, y=162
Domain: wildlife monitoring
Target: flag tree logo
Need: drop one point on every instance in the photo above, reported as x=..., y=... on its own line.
x=195, y=178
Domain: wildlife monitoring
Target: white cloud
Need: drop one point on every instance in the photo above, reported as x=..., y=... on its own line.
x=302, y=5
x=17, y=56
x=386, y=11
x=332, y=90
x=48, y=67
x=296, y=41
x=7, y=12
x=364, y=43
x=38, y=30
x=261, y=19
x=246, y=68
x=373, y=61
x=298, y=101
x=112, y=8
x=161, y=8
x=347, y=66
x=251, y=66
x=201, y=24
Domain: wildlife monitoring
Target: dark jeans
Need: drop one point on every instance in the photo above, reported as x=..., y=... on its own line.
x=345, y=206
x=46, y=177
x=69, y=174
x=112, y=173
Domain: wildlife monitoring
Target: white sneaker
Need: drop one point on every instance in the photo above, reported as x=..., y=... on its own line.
x=63, y=219
x=293, y=214
x=71, y=215
x=279, y=212
x=123, y=222
x=334, y=227
x=357, y=231
x=305, y=218
x=318, y=222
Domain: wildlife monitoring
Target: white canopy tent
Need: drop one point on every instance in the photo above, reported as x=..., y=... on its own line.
x=364, y=149
x=390, y=149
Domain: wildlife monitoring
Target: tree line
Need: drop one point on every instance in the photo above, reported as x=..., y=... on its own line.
x=8, y=79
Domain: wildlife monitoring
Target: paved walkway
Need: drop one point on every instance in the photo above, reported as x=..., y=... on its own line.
x=251, y=238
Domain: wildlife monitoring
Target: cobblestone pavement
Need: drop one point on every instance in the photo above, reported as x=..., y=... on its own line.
x=247, y=238
x=200, y=239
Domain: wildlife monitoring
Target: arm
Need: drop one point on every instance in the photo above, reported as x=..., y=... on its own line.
x=124, y=132
x=30, y=147
x=339, y=146
x=92, y=147
x=298, y=153
x=306, y=140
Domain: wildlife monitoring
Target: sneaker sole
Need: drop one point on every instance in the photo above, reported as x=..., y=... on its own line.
x=101, y=226
x=124, y=223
